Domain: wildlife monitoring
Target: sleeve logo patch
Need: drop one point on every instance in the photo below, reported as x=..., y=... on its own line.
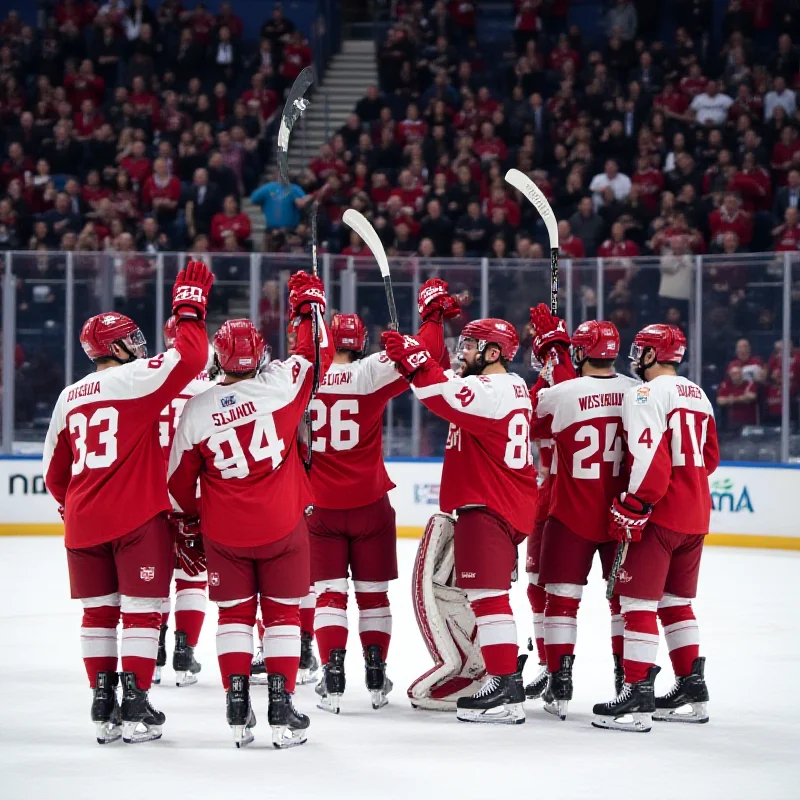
x=642, y=395
x=465, y=395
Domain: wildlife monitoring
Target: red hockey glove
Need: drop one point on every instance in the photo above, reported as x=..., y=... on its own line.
x=547, y=331
x=627, y=518
x=408, y=353
x=190, y=555
x=434, y=299
x=190, y=295
x=305, y=289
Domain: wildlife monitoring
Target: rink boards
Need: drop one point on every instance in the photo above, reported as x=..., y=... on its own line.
x=752, y=502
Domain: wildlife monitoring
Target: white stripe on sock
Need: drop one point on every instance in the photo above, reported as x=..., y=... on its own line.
x=375, y=619
x=234, y=638
x=560, y=630
x=310, y=600
x=282, y=641
x=682, y=634
x=99, y=602
x=190, y=600
x=642, y=647
x=99, y=642
x=496, y=629
x=141, y=642
x=327, y=616
x=617, y=625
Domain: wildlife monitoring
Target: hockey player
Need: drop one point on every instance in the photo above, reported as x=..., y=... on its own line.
x=191, y=579
x=664, y=515
x=353, y=523
x=550, y=355
x=104, y=466
x=488, y=478
x=584, y=417
x=240, y=439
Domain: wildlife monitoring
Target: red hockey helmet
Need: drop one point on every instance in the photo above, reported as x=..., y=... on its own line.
x=594, y=339
x=492, y=331
x=170, y=332
x=667, y=341
x=348, y=333
x=239, y=347
x=103, y=330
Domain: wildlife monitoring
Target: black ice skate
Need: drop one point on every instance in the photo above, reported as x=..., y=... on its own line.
x=140, y=721
x=161, y=658
x=377, y=680
x=288, y=725
x=632, y=709
x=240, y=711
x=105, y=708
x=331, y=685
x=559, y=689
x=619, y=675
x=689, y=690
x=499, y=701
x=183, y=661
x=258, y=670
x=309, y=666
x=535, y=688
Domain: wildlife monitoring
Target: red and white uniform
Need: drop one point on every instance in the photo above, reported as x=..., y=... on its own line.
x=672, y=443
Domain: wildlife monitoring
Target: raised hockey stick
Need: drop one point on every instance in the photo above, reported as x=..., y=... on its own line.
x=521, y=182
x=315, y=333
x=619, y=560
x=296, y=104
x=361, y=225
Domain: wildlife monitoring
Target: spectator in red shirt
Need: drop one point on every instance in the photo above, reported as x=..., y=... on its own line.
x=93, y=191
x=787, y=235
x=569, y=246
x=618, y=252
x=500, y=199
x=327, y=164
x=753, y=183
x=202, y=24
x=161, y=193
x=752, y=366
x=15, y=166
x=228, y=19
x=85, y=85
x=410, y=195
x=784, y=154
x=486, y=104
x=775, y=362
x=137, y=165
x=230, y=219
x=145, y=103
x=356, y=248
x=739, y=396
x=87, y=121
x=490, y=147
x=412, y=130
x=694, y=83
x=267, y=99
x=730, y=217
x=564, y=52
x=650, y=182
x=296, y=57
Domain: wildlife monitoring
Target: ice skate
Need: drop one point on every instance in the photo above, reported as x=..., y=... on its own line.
x=140, y=721
x=183, y=661
x=535, y=688
x=619, y=675
x=377, y=680
x=240, y=711
x=632, y=709
x=331, y=685
x=105, y=708
x=258, y=670
x=288, y=725
x=690, y=691
x=559, y=689
x=309, y=665
x=498, y=701
x=161, y=658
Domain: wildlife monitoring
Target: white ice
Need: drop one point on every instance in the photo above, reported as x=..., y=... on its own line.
x=749, y=613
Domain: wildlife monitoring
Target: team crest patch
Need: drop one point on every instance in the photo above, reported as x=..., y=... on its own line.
x=147, y=573
x=213, y=578
x=227, y=401
x=642, y=395
x=623, y=576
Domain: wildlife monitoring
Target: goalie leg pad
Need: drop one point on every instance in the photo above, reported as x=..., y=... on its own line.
x=446, y=622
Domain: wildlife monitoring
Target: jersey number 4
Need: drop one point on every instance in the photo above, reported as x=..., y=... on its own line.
x=696, y=439
x=343, y=428
x=264, y=443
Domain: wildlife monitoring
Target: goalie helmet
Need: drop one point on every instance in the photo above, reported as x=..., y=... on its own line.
x=103, y=330
x=239, y=347
x=170, y=332
x=667, y=341
x=594, y=339
x=349, y=333
x=492, y=331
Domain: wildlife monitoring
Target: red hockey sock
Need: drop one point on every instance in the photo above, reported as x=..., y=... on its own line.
x=682, y=635
x=560, y=628
x=307, y=608
x=260, y=626
x=374, y=620
x=641, y=644
x=235, y=639
x=99, y=640
x=537, y=597
x=497, y=634
x=166, y=607
x=330, y=623
x=190, y=608
x=281, y=639
x=617, y=627
x=140, y=645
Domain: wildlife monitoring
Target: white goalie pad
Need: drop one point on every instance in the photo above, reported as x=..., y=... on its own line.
x=446, y=622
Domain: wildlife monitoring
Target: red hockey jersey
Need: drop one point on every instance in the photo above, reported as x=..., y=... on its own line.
x=171, y=413
x=672, y=444
x=102, y=456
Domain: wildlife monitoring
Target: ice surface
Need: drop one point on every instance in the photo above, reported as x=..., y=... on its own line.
x=749, y=613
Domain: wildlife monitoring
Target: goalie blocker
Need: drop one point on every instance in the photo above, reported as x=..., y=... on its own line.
x=446, y=622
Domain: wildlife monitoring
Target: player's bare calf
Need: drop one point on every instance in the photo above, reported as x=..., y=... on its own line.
x=632, y=710
x=105, y=708
x=287, y=723
x=239, y=710
x=140, y=721
x=687, y=700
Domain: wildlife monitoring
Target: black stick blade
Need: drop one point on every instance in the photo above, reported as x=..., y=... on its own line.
x=296, y=104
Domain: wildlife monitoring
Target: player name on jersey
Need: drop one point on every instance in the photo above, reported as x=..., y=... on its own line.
x=225, y=417
x=338, y=379
x=83, y=391
x=591, y=401
x=686, y=390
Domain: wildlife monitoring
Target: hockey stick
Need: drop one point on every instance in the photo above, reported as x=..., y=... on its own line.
x=521, y=182
x=296, y=104
x=360, y=224
x=619, y=560
x=315, y=333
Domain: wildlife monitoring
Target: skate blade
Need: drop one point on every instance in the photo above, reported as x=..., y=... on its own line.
x=633, y=723
x=242, y=735
x=697, y=714
x=259, y=680
x=378, y=698
x=157, y=676
x=283, y=737
x=132, y=734
x=507, y=714
x=107, y=732
x=185, y=678
x=330, y=703
x=306, y=676
x=557, y=709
